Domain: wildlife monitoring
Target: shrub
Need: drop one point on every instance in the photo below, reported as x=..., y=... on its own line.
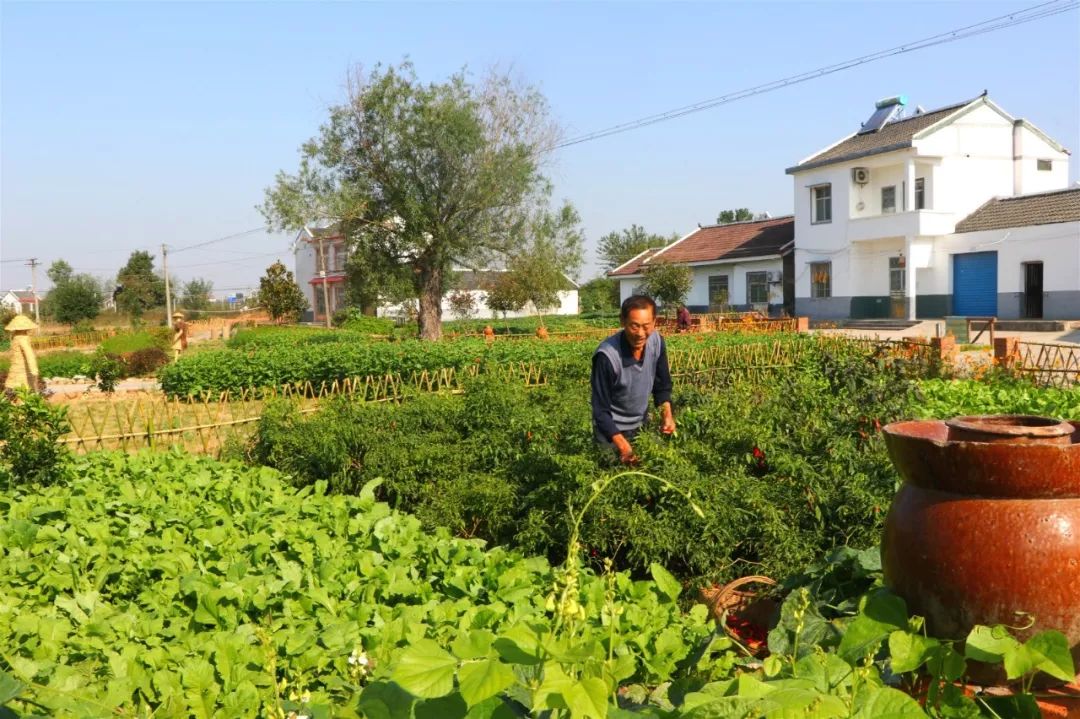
x=30, y=428
x=65, y=363
x=120, y=344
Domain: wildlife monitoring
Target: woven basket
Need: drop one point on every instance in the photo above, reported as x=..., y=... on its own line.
x=736, y=599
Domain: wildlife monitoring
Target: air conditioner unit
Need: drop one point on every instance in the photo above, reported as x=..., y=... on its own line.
x=860, y=175
x=775, y=277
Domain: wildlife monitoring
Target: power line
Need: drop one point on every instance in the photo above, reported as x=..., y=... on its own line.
x=220, y=239
x=1036, y=12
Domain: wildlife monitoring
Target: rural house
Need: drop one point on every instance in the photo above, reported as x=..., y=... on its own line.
x=963, y=210
x=736, y=266
x=476, y=282
x=315, y=249
x=20, y=301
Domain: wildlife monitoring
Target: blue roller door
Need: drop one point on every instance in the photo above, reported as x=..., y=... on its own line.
x=975, y=284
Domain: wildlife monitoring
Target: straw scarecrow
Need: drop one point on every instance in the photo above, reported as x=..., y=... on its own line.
x=179, y=342
x=24, y=367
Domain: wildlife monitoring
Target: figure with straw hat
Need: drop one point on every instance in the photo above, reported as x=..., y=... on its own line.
x=179, y=340
x=24, y=367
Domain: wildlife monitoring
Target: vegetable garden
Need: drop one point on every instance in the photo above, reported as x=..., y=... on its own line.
x=472, y=554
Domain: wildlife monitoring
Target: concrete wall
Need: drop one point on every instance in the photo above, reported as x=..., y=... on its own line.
x=568, y=305
x=1057, y=246
x=1030, y=148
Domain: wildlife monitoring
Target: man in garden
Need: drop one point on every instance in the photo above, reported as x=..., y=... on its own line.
x=627, y=367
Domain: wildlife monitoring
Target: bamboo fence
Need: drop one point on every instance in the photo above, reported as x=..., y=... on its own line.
x=208, y=422
x=1047, y=365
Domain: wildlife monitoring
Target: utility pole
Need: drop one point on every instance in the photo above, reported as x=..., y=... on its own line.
x=168, y=294
x=325, y=288
x=33, y=263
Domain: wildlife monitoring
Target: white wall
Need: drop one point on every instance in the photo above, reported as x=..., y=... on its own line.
x=568, y=305
x=305, y=270
x=1030, y=149
x=736, y=274
x=1057, y=246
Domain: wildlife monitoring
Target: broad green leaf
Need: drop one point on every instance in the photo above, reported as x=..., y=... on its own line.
x=473, y=645
x=10, y=687
x=908, y=651
x=665, y=581
x=881, y=614
x=1053, y=647
x=587, y=699
x=989, y=644
x=889, y=703
x=480, y=680
x=425, y=670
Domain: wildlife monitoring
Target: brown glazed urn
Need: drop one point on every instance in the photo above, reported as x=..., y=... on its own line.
x=986, y=527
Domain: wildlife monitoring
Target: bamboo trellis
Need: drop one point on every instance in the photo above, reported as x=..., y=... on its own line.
x=76, y=339
x=208, y=422
x=1048, y=365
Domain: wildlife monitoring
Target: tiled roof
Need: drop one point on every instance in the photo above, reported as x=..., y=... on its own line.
x=895, y=135
x=1043, y=208
x=631, y=266
x=721, y=243
x=24, y=295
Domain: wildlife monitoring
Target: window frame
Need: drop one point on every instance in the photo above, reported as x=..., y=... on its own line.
x=762, y=281
x=815, y=215
x=920, y=193
x=727, y=290
x=1044, y=165
x=814, y=284
x=891, y=211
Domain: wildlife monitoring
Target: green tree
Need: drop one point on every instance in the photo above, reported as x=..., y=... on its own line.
x=600, y=294
x=423, y=177
x=77, y=297
x=59, y=272
x=621, y=246
x=504, y=295
x=555, y=252
x=726, y=217
x=462, y=304
x=197, y=294
x=667, y=283
x=279, y=294
x=140, y=288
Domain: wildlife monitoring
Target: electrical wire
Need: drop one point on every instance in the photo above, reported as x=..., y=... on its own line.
x=1036, y=12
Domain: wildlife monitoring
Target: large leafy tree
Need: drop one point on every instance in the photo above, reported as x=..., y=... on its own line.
x=59, y=272
x=197, y=294
x=422, y=177
x=140, y=288
x=279, y=294
x=554, y=252
x=620, y=246
x=726, y=217
x=74, y=298
x=667, y=283
x=600, y=294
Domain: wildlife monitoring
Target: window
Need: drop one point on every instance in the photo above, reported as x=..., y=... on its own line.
x=718, y=291
x=1044, y=165
x=757, y=288
x=897, y=276
x=920, y=193
x=340, y=256
x=888, y=199
x=821, y=279
x=822, y=203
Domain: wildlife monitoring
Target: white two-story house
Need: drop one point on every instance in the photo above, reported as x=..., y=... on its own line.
x=320, y=253
x=932, y=213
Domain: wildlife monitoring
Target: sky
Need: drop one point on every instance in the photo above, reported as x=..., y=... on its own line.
x=127, y=125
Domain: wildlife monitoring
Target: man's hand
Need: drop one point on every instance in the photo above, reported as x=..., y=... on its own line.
x=668, y=424
x=626, y=451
